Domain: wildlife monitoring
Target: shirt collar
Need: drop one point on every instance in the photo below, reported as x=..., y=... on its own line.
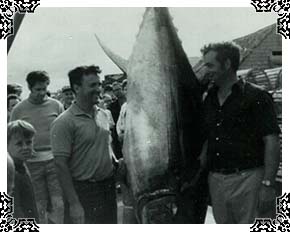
x=32, y=102
x=77, y=111
x=236, y=88
x=19, y=166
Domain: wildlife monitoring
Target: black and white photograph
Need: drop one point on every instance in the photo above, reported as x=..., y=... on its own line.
x=145, y=115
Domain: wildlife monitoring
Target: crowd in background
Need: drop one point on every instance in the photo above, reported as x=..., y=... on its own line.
x=65, y=156
x=38, y=176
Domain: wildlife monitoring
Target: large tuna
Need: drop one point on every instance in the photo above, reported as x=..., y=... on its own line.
x=163, y=119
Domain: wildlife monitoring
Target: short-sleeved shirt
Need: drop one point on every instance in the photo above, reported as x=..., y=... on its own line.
x=40, y=116
x=85, y=141
x=236, y=129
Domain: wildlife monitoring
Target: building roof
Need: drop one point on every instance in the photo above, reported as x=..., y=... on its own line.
x=258, y=48
x=261, y=50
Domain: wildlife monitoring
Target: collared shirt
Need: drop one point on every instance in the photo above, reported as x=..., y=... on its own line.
x=85, y=140
x=236, y=129
x=40, y=116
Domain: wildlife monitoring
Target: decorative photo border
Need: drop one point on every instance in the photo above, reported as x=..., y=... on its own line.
x=282, y=221
x=10, y=7
x=281, y=7
x=10, y=224
x=7, y=10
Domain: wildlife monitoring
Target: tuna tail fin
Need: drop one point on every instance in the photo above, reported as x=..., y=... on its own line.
x=118, y=60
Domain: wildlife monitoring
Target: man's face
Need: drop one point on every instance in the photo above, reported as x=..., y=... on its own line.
x=90, y=88
x=117, y=90
x=20, y=148
x=19, y=92
x=12, y=103
x=107, y=100
x=68, y=97
x=214, y=70
x=39, y=91
x=111, y=93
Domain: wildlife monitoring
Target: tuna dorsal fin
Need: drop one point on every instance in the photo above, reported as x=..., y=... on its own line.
x=118, y=60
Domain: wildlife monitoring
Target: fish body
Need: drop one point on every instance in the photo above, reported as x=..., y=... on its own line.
x=163, y=118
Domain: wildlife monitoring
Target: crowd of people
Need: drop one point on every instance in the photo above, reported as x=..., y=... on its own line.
x=64, y=157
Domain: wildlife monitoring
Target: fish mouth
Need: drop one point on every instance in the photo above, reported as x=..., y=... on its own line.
x=157, y=207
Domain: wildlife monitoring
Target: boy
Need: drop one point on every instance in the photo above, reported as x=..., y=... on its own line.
x=20, y=147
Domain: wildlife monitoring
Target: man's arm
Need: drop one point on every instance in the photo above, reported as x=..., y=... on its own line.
x=203, y=159
x=75, y=208
x=203, y=155
x=61, y=137
x=266, y=207
x=271, y=156
x=268, y=129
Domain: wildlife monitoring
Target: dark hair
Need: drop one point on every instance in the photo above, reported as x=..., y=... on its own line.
x=108, y=88
x=76, y=75
x=124, y=83
x=35, y=77
x=65, y=88
x=116, y=84
x=12, y=96
x=225, y=50
x=14, y=89
x=20, y=127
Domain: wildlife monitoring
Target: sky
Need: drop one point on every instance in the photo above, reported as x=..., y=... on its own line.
x=58, y=39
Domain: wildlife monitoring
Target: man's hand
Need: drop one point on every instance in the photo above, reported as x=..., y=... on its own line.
x=203, y=160
x=203, y=156
x=266, y=202
x=121, y=171
x=77, y=213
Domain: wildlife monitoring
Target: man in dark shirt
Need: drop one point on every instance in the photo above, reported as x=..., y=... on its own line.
x=241, y=146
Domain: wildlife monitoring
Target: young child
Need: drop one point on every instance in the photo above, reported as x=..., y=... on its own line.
x=20, y=147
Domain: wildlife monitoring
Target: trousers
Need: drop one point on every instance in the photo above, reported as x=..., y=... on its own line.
x=235, y=197
x=98, y=200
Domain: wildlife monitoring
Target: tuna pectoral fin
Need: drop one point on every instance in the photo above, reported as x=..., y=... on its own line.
x=157, y=208
x=118, y=60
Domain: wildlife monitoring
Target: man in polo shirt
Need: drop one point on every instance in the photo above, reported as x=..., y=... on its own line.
x=81, y=146
x=242, y=143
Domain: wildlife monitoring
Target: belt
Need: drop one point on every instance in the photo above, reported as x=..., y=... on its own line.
x=227, y=171
x=95, y=181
